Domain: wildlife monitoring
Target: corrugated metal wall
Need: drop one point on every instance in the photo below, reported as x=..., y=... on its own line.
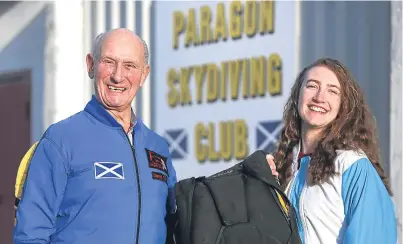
x=358, y=34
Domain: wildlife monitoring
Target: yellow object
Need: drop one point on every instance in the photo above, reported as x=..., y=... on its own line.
x=22, y=171
x=283, y=204
x=22, y=175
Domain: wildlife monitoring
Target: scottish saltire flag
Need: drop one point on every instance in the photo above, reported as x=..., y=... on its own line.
x=178, y=143
x=108, y=170
x=267, y=135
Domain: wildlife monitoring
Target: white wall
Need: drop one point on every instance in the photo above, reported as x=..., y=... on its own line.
x=66, y=87
x=26, y=51
x=396, y=110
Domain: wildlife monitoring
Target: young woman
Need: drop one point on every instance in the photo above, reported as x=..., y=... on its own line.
x=328, y=161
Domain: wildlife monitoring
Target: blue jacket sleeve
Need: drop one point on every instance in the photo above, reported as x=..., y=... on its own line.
x=171, y=218
x=368, y=208
x=43, y=193
x=171, y=187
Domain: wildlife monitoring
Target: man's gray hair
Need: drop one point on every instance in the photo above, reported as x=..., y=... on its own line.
x=97, y=45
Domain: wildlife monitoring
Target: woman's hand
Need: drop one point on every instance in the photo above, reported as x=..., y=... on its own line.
x=270, y=161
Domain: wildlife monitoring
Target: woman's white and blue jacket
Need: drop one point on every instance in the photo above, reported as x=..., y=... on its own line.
x=352, y=207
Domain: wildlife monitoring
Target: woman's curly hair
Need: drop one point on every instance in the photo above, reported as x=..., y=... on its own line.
x=353, y=129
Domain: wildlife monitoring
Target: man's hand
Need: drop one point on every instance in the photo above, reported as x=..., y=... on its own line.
x=270, y=161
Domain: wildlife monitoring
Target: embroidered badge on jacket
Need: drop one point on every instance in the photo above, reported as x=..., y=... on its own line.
x=156, y=161
x=159, y=176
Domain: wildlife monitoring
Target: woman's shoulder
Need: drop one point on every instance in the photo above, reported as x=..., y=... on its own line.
x=347, y=158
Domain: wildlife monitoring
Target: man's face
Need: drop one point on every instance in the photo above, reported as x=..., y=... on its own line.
x=119, y=71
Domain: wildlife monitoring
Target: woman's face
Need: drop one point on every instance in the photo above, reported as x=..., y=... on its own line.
x=319, y=98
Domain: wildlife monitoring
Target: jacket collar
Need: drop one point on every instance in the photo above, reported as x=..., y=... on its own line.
x=295, y=153
x=95, y=108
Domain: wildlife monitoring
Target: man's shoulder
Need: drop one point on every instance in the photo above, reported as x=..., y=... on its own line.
x=66, y=127
x=155, y=136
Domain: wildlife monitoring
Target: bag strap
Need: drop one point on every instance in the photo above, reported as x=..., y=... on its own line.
x=184, y=191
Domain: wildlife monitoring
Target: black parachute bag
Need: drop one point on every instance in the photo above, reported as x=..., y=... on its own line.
x=240, y=205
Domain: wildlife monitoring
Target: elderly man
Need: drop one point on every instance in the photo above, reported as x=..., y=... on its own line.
x=101, y=176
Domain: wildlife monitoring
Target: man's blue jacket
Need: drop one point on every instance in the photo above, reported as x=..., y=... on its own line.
x=87, y=184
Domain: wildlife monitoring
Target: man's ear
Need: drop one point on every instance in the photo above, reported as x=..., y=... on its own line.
x=144, y=76
x=90, y=65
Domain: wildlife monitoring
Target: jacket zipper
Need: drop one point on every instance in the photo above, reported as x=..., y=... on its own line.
x=301, y=210
x=138, y=185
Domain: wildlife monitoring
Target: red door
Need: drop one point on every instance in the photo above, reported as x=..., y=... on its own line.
x=15, y=139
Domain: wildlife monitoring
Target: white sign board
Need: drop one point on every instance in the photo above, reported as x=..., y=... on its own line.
x=222, y=73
